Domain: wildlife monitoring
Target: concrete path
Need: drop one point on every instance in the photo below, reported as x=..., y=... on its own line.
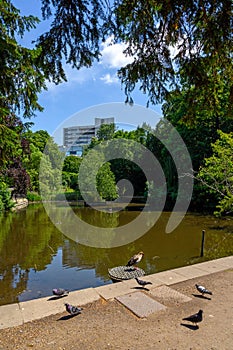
x=140, y=301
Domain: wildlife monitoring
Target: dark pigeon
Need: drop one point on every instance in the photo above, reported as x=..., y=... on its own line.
x=141, y=282
x=203, y=290
x=73, y=310
x=60, y=292
x=195, y=318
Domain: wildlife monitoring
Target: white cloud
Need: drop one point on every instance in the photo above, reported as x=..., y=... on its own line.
x=111, y=60
x=110, y=79
x=112, y=54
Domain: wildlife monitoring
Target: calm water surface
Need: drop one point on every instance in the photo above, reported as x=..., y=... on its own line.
x=36, y=257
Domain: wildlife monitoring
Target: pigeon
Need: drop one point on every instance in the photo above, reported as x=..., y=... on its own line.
x=60, y=292
x=202, y=289
x=135, y=259
x=141, y=282
x=73, y=310
x=195, y=318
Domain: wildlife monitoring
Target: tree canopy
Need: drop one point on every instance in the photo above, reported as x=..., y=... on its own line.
x=21, y=75
x=217, y=173
x=172, y=42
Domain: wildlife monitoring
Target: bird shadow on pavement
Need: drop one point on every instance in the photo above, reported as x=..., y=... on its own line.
x=141, y=288
x=201, y=296
x=57, y=297
x=190, y=326
x=66, y=317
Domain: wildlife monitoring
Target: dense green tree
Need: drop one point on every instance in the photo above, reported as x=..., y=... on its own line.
x=50, y=171
x=71, y=164
x=177, y=42
x=13, y=148
x=105, y=182
x=106, y=132
x=126, y=168
x=172, y=42
x=70, y=172
x=197, y=136
x=38, y=139
x=5, y=197
x=217, y=173
x=21, y=76
x=31, y=161
x=96, y=178
x=10, y=141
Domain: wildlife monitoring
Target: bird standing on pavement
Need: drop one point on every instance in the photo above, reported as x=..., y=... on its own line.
x=60, y=292
x=135, y=259
x=203, y=290
x=73, y=310
x=141, y=282
x=195, y=318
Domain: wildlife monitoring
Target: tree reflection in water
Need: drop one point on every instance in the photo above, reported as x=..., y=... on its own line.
x=36, y=257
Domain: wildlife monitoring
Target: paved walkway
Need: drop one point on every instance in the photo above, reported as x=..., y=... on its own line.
x=127, y=293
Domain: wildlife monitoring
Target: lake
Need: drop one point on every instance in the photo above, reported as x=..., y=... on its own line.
x=35, y=256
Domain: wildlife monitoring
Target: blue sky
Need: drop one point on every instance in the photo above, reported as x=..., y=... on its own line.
x=86, y=88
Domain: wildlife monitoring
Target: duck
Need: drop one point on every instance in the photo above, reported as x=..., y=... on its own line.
x=135, y=259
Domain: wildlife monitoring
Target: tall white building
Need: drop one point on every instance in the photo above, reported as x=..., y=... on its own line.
x=76, y=137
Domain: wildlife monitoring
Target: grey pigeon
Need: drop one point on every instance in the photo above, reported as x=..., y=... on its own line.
x=195, y=318
x=141, y=282
x=73, y=310
x=60, y=292
x=135, y=259
x=202, y=289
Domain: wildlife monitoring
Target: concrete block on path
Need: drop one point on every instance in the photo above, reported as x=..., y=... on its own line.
x=168, y=296
x=140, y=304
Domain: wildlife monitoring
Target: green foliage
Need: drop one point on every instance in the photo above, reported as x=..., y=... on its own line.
x=174, y=43
x=70, y=195
x=21, y=76
x=96, y=177
x=5, y=197
x=106, y=184
x=71, y=164
x=217, y=173
x=177, y=42
x=70, y=180
x=106, y=132
x=74, y=37
x=10, y=142
x=33, y=197
x=37, y=142
x=50, y=172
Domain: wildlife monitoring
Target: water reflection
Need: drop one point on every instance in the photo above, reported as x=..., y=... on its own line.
x=36, y=257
